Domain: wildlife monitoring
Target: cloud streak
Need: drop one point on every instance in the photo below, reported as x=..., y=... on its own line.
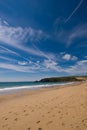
x=17, y=37
x=78, y=68
x=78, y=32
x=6, y=50
x=46, y=66
x=74, y=11
x=67, y=37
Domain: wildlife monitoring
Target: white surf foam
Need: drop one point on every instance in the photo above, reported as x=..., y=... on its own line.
x=32, y=86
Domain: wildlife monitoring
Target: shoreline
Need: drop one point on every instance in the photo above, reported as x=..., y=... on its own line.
x=55, y=108
x=26, y=92
x=12, y=90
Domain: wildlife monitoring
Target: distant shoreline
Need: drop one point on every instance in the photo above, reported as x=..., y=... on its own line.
x=14, y=89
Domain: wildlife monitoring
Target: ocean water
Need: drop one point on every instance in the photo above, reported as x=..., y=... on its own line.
x=9, y=87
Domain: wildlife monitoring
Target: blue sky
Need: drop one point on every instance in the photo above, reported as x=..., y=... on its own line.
x=42, y=39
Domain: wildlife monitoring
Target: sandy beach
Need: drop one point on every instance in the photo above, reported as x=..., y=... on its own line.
x=63, y=108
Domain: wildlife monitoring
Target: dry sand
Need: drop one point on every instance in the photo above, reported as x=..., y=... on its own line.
x=45, y=109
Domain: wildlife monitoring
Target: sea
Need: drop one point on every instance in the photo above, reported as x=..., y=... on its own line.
x=11, y=87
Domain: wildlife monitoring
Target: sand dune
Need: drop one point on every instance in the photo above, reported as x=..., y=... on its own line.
x=45, y=109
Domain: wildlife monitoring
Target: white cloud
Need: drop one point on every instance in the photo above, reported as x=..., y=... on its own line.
x=16, y=36
x=51, y=65
x=74, y=58
x=22, y=63
x=66, y=57
x=82, y=62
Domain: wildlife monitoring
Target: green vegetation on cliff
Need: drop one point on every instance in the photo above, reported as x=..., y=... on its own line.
x=62, y=79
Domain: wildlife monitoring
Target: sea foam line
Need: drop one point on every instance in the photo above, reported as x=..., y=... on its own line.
x=33, y=86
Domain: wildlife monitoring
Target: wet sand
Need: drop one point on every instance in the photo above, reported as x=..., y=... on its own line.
x=45, y=109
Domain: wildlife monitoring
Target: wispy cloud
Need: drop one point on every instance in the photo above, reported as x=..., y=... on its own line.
x=85, y=56
x=67, y=37
x=46, y=65
x=7, y=59
x=78, y=68
x=6, y=50
x=22, y=62
x=78, y=32
x=20, y=66
x=74, y=11
x=17, y=68
x=17, y=36
x=50, y=64
x=4, y=22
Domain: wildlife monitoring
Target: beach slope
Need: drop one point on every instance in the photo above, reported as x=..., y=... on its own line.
x=63, y=108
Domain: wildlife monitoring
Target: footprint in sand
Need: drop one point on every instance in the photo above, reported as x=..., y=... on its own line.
x=6, y=118
x=4, y=125
x=53, y=115
x=60, y=117
x=32, y=111
x=49, y=122
x=77, y=126
x=16, y=119
x=10, y=112
x=43, y=116
x=55, y=106
x=61, y=103
x=38, y=122
x=84, y=121
x=15, y=113
x=71, y=125
x=63, y=124
x=59, y=111
x=66, y=113
x=3, y=117
x=39, y=128
x=82, y=104
x=28, y=128
x=26, y=114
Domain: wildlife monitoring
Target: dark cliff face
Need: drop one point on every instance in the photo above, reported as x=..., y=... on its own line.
x=60, y=79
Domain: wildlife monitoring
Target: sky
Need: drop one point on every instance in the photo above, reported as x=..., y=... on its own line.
x=42, y=38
